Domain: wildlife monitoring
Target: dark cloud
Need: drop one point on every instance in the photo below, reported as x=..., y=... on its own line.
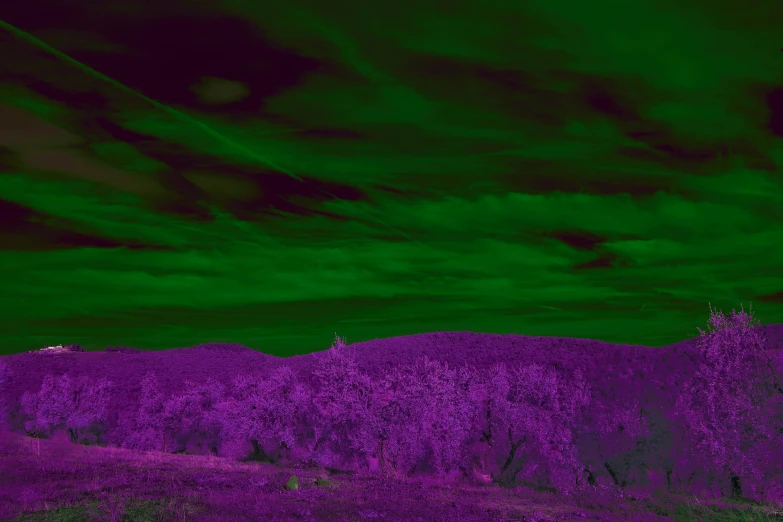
x=270, y=173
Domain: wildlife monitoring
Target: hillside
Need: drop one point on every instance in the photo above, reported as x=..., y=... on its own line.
x=614, y=371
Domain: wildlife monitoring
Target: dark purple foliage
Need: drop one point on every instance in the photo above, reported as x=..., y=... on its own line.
x=224, y=347
x=191, y=417
x=708, y=415
x=341, y=407
x=423, y=416
x=148, y=430
x=724, y=406
x=5, y=373
x=121, y=349
x=268, y=411
x=530, y=418
x=66, y=403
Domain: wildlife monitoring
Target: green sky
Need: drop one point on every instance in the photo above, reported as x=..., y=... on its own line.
x=269, y=173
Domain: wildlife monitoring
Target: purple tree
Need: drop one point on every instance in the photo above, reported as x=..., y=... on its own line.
x=530, y=418
x=148, y=432
x=4, y=373
x=64, y=403
x=391, y=428
x=48, y=408
x=341, y=406
x=426, y=413
x=4, y=376
x=606, y=432
x=90, y=406
x=450, y=414
x=724, y=406
x=266, y=411
x=412, y=412
x=191, y=415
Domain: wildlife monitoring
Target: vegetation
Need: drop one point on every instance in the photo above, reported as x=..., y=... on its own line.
x=677, y=434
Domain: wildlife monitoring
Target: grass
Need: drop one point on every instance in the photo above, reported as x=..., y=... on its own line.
x=690, y=509
x=55, y=481
x=135, y=511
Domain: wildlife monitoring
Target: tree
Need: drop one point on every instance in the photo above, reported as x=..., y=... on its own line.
x=723, y=406
x=4, y=376
x=190, y=415
x=530, y=418
x=394, y=422
x=4, y=373
x=90, y=407
x=342, y=403
x=48, y=407
x=429, y=402
x=266, y=411
x=62, y=402
x=607, y=435
x=148, y=432
x=411, y=413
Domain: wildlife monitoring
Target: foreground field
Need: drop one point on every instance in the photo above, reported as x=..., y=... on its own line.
x=52, y=480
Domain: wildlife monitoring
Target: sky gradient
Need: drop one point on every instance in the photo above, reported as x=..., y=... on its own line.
x=271, y=174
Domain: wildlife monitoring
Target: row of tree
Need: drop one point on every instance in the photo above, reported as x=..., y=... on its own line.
x=511, y=422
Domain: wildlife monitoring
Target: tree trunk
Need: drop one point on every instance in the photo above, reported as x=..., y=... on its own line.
x=284, y=450
x=386, y=467
x=509, y=459
x=612, y=473
x=590, y=477
x=512, y=453
x=736, y=486
x=488, y=434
